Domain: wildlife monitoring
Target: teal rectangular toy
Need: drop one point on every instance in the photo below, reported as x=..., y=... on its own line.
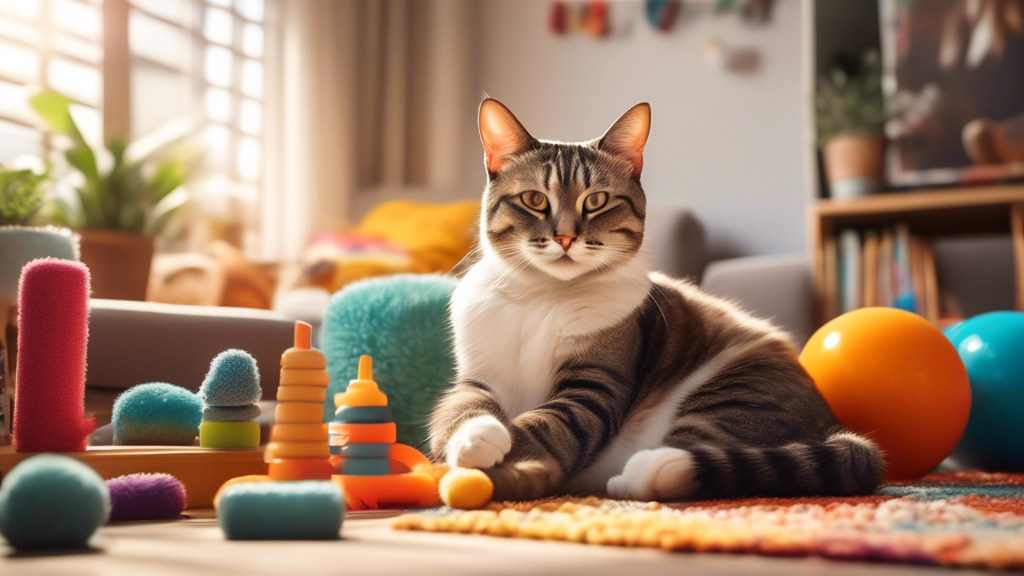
x=308, y=510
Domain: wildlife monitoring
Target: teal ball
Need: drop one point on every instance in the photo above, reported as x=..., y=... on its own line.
x=992, y=348
x=402, y=321
x=233, y=380
x=51, y=501
x=156, y=413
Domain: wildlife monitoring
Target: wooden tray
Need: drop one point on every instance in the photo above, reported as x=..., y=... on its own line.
x=201, y=470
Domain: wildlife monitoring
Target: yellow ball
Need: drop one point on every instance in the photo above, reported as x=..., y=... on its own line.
x=466, y=489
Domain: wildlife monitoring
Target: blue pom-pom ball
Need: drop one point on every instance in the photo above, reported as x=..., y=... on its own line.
x=992, y=348
x=402, y=321
x=51, y=501
x=157, y=413
x=233, y=380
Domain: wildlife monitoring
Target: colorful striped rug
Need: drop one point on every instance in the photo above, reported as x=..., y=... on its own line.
x=960, y=519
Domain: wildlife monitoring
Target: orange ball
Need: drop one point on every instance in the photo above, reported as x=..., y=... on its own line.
x=892, y=376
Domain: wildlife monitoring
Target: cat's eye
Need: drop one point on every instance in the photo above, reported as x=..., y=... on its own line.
x=535, y=200
x=595, y=201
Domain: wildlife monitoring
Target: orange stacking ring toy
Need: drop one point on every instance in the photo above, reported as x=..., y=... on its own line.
x=301, y=469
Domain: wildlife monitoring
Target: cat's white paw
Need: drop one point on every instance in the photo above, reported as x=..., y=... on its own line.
x=659, y=474
x=479, y=443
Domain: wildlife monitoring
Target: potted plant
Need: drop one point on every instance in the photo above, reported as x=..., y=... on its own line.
x=116, y=211
x=850, y=120
x=22, y=194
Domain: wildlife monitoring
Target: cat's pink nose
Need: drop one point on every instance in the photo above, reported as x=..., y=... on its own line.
x=565, y=241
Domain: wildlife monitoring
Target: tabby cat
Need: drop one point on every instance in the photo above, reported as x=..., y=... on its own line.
x=579, y=371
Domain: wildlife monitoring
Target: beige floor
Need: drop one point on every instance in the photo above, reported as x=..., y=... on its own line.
x=196, y=547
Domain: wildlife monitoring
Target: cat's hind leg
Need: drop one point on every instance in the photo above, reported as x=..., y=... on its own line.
x=664, y=473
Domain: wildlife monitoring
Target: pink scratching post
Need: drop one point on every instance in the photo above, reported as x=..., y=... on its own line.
x=53, y=330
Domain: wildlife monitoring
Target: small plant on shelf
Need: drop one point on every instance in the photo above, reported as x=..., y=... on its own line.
x=22, y=194
x=850, y=115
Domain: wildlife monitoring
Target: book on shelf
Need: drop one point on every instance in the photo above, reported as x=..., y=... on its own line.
x=870, y=268
x=849, y=271
x=880, y=267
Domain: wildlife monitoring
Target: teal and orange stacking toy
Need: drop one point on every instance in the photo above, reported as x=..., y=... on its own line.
x=371, y=468
x=362, y=430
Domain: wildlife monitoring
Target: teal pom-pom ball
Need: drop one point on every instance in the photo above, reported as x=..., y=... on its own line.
x=402, y=321
x=309, y=510
x=157, y=413
x=233, y=380
x=51, y=501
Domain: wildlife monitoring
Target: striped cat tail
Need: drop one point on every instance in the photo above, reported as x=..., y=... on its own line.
x=844, y=465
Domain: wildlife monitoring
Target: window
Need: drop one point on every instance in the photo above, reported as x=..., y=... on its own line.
x=53, y=43
x=204, y=60
x=193, y=67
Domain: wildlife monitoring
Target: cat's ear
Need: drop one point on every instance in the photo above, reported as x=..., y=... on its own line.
x=501, y=134
x=628, y=136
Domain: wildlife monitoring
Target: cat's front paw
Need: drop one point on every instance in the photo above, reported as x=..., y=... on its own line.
x=481, y=442
x=659, y=474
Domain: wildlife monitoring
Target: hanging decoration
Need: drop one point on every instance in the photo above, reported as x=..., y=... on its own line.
x=661, y=14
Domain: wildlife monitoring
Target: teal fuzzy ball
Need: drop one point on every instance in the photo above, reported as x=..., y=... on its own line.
x=51, y=501
x=402, y=321
x=157, y=413
x=233, y=380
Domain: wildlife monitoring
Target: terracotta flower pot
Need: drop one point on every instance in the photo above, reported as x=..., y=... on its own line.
x=854, y=164
x=118, y=263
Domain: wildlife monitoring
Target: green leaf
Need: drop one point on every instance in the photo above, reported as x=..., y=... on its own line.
x=65, y=214
x=168, y=177
x=165, y=210
x=117, y=146
x=55, y=110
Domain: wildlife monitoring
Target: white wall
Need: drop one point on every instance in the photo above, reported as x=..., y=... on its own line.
x=727, y=146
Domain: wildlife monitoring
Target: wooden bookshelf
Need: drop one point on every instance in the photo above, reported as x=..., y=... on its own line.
x=930, y=213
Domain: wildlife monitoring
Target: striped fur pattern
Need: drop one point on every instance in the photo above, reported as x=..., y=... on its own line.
x=581, y=372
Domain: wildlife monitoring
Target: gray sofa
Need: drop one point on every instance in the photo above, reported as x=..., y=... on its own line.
x=777, y=288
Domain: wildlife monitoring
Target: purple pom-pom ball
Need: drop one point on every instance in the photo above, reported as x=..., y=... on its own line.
x=146, y=497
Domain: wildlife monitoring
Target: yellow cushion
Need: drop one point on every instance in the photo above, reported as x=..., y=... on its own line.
x=437, y=236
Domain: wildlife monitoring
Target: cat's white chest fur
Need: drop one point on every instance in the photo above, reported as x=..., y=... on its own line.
x=513, y=333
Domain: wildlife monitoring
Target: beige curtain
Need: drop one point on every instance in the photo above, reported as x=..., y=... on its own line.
x=373, y=93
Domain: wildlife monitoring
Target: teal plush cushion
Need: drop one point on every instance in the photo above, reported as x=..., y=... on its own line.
x=402, y=321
